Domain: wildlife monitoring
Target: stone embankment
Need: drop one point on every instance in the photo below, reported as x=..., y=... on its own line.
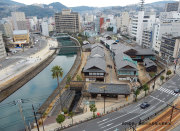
x=72, y=72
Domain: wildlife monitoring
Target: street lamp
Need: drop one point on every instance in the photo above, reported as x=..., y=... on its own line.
x=104, y=97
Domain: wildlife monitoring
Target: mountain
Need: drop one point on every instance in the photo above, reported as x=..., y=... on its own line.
x=31, y=10
x=57, y=6
x=9, y=3
x=82, y=8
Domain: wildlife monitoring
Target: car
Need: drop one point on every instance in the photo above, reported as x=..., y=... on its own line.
x=144, y=105
x=176, y=90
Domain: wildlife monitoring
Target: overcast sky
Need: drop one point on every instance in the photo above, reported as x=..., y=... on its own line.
x=96, y=3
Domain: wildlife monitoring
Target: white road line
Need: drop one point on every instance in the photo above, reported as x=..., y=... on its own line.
x=132, y=118
x=107, y=125
x=123, y=115
x=102, y=120
x=157, y=98
x=118, y=117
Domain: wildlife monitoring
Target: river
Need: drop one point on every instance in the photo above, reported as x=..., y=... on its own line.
x=35, y=92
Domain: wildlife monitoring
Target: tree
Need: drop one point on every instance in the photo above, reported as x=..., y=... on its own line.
x=93, y=109
x=71, y=114
x=145, y=88
x=60, y=119
x=68, y=79
x=78, y=78
x=136, y=93
x=168, y=73
x=162, y=78
x=57, y=72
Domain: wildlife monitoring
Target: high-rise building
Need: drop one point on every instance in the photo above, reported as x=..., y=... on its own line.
x=45, y=28
x=19, y=21
x=137, y=27
x=172, y=7
x=67, y=21
x=2, y=47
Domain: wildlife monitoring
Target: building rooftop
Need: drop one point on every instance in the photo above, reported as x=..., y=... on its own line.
x=96, y=45
x=120, y=89
x=123, y=60
x=20, y=32
x=97, y=52
x=95, y=64
x=149, y=63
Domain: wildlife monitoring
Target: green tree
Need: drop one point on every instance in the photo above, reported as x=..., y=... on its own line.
x=60, y=119
x=78, y=78
x=65, y=110
x=168, y=73
x=93, y=109
x=145, y=88
x=71, y=114
x=162, y=78
x=57, y=72
x=68, y=79
x=136, y=93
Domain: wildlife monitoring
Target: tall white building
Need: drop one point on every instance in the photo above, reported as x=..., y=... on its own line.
x=19, y=20
x=45, y=28
x=2, y=47
x=161, y=28
x=137, y=27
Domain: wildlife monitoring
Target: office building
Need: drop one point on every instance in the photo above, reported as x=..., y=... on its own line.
x=170, y=47
x=19, y=20
x=20, y=37
x=67, y=21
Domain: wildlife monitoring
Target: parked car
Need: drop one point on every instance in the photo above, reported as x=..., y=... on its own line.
x=144, y=105
x=176, y=90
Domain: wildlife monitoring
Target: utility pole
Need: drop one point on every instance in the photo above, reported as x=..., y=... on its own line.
x=35, y=117
x=19, y=101
x=171, y=113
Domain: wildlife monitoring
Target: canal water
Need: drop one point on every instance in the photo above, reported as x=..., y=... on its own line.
x=35, y=92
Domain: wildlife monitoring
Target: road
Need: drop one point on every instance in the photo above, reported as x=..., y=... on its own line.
x=132, y=113
x=40, y=44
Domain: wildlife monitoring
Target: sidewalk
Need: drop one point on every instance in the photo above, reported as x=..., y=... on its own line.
x=12, y=72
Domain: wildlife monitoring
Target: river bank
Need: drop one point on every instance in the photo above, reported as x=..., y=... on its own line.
x=21, y=78
x=72, y=73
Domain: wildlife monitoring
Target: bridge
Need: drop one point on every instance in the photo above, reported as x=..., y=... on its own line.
x=59, y=47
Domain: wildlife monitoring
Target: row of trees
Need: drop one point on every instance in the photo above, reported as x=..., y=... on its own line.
x=146, y=87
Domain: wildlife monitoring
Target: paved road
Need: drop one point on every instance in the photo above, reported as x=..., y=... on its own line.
x=131, y=113
x=40, y=44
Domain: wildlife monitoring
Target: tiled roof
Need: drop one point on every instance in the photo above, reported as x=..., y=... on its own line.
x=121, y=89
x=97, y=62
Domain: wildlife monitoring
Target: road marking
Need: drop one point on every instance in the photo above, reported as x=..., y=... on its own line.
x=132, y=118
x=107, y=125
x=102, y=120
x=123, y=115
x=157, y=98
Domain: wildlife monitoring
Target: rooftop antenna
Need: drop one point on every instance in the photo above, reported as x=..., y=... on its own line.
x=142, y=5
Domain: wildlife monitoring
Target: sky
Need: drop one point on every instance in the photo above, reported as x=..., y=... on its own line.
x=95, y=3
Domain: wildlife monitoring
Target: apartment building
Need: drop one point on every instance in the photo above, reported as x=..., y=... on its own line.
x=170, y=47
x=2, y=47
x=67, y=21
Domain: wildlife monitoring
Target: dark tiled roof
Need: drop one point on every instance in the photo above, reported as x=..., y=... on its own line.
x=96, y=45
x=149, y=63
x=97, y=52
x=122, y=89
x=122, y=60
x=97, y=62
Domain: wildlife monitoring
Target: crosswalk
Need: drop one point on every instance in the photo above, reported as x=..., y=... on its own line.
x=168, y=91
